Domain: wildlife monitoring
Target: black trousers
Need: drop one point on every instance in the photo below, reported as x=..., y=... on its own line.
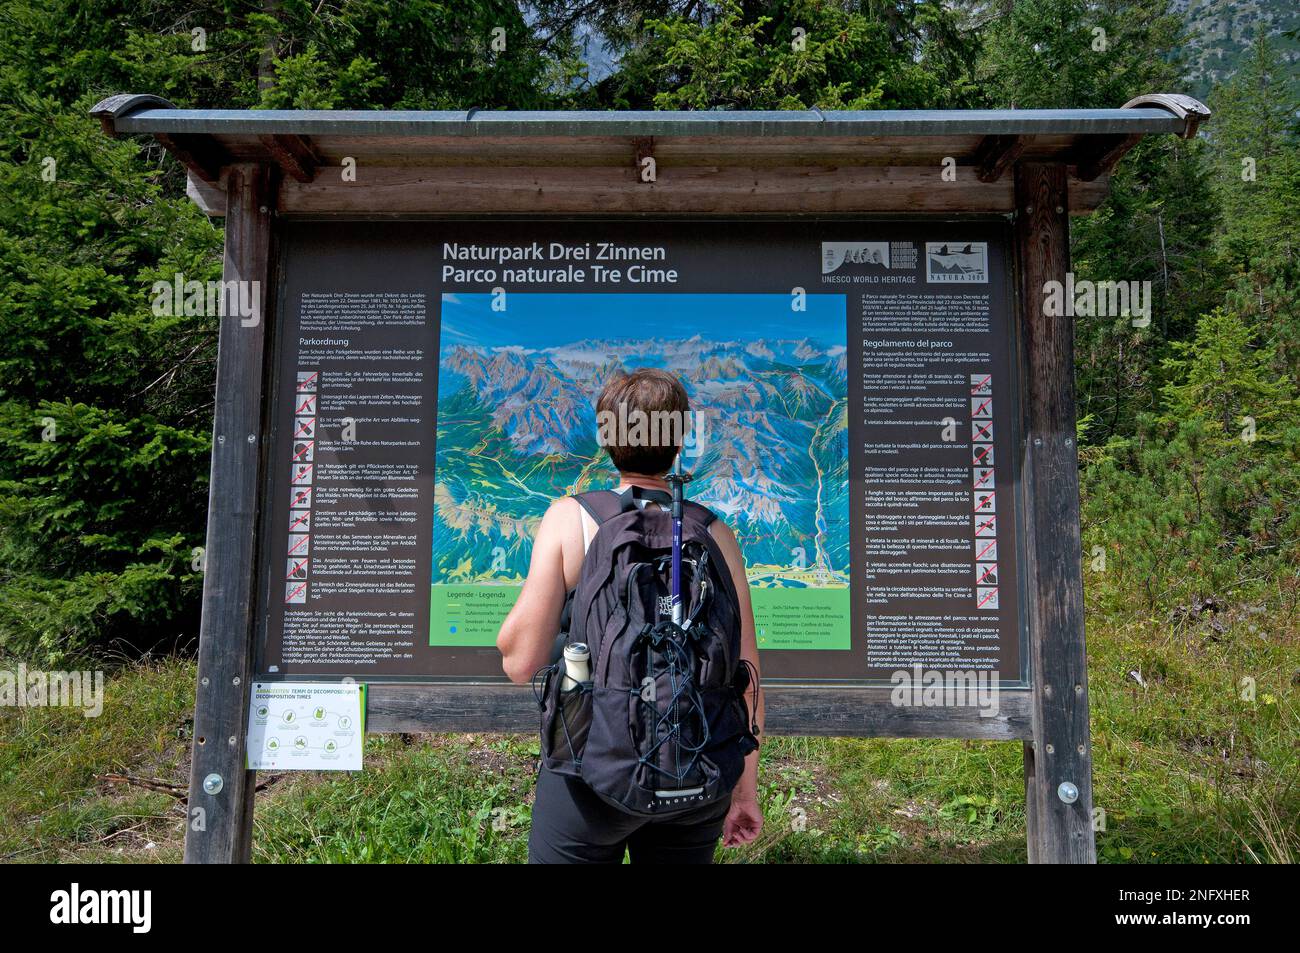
x=572, y=825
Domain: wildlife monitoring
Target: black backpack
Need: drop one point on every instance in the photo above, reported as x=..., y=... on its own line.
x=662, y=726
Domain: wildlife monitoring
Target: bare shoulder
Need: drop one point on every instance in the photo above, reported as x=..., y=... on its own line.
x=562, y=519
x=729, y=547
x=565, y=508
x=726, y=539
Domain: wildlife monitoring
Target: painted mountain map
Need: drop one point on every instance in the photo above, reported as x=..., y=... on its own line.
x=517, y=428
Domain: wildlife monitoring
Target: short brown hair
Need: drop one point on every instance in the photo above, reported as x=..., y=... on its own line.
x=642, y=419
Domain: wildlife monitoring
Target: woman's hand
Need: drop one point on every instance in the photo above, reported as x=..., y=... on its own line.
x=744, y=821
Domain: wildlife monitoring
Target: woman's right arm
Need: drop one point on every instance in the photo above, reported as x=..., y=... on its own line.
x=528, y=633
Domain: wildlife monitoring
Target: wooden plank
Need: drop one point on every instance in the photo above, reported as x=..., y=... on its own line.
x=201, y=155
x=996, y=154
x=708, y=190
x=612, y=150
x=210, y=198
x=791, y=710
x=221, y=831
x=642, y=149
x=1032, y=835
x=1098, y=156
x=1084, y=197
x=600, y=190
x=921, y=151
x=294, y=155
x=1059, y=832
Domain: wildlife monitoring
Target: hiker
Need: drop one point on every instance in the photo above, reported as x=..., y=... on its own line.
x=586, y=809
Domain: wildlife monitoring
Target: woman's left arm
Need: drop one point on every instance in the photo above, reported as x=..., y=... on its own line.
x=745, y=819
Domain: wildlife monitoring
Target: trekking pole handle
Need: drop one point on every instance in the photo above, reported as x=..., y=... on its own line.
x=677, y=479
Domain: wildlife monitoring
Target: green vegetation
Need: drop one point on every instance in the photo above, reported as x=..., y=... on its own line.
x=56, y=798
x=1189, y=431
x=1186, y=770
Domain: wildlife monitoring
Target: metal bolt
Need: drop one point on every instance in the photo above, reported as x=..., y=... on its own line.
x=1067, y=792
x=204, y=681
x=252, y=438
x=1047, y=691
x=221, y=438
x=1059, y=210
x=1051, y=749
x=1038, y=441
x=1029, y=210
x=262, y=209
x=213, y=784
x=1069, y=441
x=232, y=741
x=235, y=680
x=1078, y=689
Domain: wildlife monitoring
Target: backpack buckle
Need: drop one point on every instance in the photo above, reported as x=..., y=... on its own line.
x=663, y=631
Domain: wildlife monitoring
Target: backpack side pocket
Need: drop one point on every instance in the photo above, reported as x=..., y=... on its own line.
x=566, y=721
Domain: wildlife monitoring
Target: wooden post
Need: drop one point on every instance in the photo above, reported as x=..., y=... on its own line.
x=221, y=823
x=1059, y=831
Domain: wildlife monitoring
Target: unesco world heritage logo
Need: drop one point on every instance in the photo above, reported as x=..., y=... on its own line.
x=837, y=254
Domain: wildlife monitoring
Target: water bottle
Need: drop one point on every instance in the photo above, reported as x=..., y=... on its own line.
x=577, y=665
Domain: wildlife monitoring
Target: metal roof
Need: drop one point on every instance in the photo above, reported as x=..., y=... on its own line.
x=149, y=114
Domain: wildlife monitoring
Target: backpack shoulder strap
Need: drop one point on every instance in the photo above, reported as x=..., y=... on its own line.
x=701, y=513
x=601, y=505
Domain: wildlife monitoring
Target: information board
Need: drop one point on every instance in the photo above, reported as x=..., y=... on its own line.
x=853, y=383
x=306, y=726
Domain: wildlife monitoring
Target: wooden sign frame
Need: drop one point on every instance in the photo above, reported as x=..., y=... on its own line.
x=1028, y=176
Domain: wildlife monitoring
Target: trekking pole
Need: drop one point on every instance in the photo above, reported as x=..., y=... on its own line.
x=677, y=478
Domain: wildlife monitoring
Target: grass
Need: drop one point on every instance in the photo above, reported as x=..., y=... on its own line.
x=54, y=803
x=1190, y=766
